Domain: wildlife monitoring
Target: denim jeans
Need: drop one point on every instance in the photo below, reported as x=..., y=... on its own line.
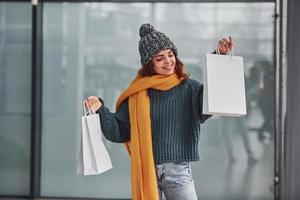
x=175, y=181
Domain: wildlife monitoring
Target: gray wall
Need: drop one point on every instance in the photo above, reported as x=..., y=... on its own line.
x=292, y=161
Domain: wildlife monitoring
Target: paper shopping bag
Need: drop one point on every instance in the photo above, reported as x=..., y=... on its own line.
x=224, y=86
x=93, y=157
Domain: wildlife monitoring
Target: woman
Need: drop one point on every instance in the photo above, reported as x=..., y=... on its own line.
x=158, y=117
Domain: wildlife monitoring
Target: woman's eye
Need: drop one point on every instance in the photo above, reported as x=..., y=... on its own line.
x=171, y=55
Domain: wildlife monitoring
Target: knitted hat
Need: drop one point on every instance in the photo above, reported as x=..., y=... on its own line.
x=152, y=42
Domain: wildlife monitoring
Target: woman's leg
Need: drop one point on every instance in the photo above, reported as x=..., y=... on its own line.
x=177, y=182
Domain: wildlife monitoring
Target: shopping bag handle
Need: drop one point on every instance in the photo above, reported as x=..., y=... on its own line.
x=90, y=111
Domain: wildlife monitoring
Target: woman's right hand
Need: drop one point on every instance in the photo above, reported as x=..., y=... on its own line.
x=93, y=102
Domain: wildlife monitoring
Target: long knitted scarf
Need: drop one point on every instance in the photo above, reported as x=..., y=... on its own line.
x=143, y=175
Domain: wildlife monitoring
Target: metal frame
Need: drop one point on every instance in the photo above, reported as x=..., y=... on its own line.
x=37, y=72
x=36, y=105
x=281, y=100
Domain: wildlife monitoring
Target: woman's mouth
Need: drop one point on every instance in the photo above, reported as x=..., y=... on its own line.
x=167, y=68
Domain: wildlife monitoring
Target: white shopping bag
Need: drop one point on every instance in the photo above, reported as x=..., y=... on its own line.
x=224, y=86
x=93, y=157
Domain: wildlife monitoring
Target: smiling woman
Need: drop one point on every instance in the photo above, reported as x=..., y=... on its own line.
x=158, y=117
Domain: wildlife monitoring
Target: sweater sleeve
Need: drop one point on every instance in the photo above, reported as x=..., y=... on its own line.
x=115, y=126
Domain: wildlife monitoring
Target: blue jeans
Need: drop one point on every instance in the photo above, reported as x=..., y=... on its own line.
x=175, y=180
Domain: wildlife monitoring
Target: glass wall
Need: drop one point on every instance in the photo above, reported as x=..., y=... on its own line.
x=15, y=98
x=91, y=49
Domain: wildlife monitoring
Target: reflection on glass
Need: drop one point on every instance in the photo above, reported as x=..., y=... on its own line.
x=91, y=49
x=15, y=98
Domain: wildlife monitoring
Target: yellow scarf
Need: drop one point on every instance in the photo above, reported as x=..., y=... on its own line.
x=143, y=175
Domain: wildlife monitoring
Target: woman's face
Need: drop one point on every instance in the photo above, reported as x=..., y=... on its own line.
x=164, y=62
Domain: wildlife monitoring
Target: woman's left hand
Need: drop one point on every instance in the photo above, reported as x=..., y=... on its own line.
x=225, y=45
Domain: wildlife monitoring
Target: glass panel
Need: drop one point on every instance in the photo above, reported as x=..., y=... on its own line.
x=91, y=49
x=15, y=98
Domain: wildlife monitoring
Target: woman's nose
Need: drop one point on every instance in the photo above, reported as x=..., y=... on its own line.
x=167, y=60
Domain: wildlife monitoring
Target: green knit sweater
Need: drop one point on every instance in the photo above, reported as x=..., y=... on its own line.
x=176, y=115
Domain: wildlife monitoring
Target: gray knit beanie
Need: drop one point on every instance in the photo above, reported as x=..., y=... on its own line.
x=152, y=42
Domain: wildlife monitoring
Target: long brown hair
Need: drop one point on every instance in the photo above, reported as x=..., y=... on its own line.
x=148, y=69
